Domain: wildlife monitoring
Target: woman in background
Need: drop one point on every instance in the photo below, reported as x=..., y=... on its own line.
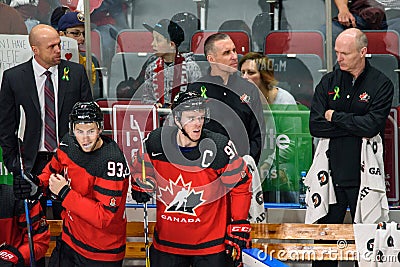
x=281, y=181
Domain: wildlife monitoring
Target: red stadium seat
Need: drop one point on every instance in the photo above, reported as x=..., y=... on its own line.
x=240, y=38
x=383, y=42
x=134, y=41
x=295, y=42
x=107, y=104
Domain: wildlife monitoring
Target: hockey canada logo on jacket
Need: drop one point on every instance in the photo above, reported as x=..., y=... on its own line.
x=245, y=98
x=180, y=197
x=364, y=97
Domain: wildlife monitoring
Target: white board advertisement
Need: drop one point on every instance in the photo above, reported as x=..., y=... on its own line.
x=15, y=49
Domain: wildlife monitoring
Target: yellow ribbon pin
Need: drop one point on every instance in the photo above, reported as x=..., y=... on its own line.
x=203, y=91
x=336, y=90
x=65, y=77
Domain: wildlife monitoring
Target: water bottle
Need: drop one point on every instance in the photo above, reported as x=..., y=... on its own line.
x=302, y=190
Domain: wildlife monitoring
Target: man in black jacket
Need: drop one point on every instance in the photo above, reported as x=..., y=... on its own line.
x=349, y=103
x=234, y=102
x=237, y=112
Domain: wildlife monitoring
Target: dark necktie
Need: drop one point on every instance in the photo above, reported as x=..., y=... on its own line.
x=50, y=138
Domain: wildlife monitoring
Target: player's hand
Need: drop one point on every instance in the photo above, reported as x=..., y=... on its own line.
x=10, y=256
x=26, y=186
x=237, y=238
x=142, y=190
x=59, y=186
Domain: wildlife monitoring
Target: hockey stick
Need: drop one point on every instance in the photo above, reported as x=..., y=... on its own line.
x=145, y=214
x=26, y=204
x=28, y=219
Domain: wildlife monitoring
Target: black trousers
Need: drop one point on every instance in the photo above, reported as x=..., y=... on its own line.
x=159, y=258
x=345, y=197
x=64, y=256
x=42, y=159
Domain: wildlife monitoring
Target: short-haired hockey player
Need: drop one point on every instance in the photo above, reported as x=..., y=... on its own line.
x=89, y=175
x=194, y=172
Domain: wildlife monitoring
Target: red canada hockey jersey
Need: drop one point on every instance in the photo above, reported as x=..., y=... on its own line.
x=193, y=187
x=94, y=221
x=13, y=224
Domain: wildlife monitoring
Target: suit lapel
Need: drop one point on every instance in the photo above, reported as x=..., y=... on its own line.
x=62, y=86
x=29, y=78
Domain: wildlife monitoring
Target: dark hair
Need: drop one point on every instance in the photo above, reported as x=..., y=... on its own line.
x=58, y=12
x=209, y=43
x=264, y=65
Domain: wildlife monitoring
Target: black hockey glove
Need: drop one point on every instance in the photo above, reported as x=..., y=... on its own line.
x=10, y=256
x=26, y=186
x=237, y=238
x=142, y=190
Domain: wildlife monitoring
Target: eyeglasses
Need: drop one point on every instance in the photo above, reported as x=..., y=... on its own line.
x=76, y=34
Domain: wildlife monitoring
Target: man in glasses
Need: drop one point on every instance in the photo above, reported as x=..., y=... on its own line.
x=72, y=25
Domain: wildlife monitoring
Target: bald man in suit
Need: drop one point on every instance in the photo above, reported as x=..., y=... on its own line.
x=23, y=87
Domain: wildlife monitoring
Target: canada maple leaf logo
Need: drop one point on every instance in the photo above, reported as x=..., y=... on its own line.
x=180, y=197
x=364, y=97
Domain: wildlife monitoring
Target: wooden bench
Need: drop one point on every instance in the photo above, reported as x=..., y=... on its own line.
x=134, y=249
x=274, y=239
x=299, y=242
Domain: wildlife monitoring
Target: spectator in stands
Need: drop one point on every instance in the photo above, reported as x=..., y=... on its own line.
x=168, y=73
x=350, y=103
x=22, y=88
x=194, y=173
x=72, y=25
x=258, y=69
x=282, y=176
x=11, y=21
x=33, y=11
x=58, y=12
x=89, y=175
x=361, y=14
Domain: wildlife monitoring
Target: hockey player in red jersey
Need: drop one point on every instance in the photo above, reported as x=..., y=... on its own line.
x=193, y=172
x=14, y=247
x=88, y=174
